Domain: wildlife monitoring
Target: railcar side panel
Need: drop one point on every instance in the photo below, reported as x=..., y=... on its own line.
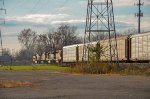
x=80, y=52
x=140, y=47
x=69, y=53
x=122, y=46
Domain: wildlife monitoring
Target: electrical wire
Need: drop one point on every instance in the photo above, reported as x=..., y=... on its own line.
x=42, y=6
x=36, y=4
x=35, y=11
x=62, y=5
x=46, y=3
x=20, y=3
x=10, y=35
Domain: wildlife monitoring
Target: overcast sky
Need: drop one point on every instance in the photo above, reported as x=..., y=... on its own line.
x=40, y=15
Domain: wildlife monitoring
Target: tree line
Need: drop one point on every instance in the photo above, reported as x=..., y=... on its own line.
x=32, y=43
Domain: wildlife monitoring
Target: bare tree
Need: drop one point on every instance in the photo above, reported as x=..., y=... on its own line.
x=27, y=38
x=65, y=35
x=51, y=41
x=42, y=44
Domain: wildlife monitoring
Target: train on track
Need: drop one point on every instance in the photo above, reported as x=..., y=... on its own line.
x=131, y=48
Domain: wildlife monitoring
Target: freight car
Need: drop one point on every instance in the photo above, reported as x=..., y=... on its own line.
x=140, y=47
x=74, y=53
x=47, y=57
x=43, y=58
x=132, y=48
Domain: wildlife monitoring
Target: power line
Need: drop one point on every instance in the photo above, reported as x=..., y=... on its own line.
x=33, y=9
x=62, y=5
x=36, y=4
x=42, y=6
x=20, y=3
x=10, y=35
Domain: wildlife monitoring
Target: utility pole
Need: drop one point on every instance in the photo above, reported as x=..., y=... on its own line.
x=139, y=14
x=100, y=20
x=2, y=21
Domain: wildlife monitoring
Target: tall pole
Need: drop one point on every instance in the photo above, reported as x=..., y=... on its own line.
x=139, y=21
x=2, y=22
x=139, y=15
x=1, y=43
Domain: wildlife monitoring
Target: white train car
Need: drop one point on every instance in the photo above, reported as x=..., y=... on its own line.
x=140, y=47
x=122, y=46
x=80, y=51
x=80, y=48
x=69, y=53
x=44, y=58
x=74, y=53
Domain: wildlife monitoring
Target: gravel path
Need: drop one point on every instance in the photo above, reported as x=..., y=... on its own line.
x=50, y=85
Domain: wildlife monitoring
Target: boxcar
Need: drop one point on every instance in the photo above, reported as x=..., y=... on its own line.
x=122, y=47
x=140, y=47
x=74, y=53
x=69, y=53
x=44, y=58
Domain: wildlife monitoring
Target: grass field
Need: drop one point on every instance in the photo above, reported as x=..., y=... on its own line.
x=82, y=69
x=34, y=67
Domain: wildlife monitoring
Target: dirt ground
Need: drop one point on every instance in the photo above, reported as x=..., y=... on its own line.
x=51, y=85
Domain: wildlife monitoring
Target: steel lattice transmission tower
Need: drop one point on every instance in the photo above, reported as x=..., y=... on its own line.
x=100, y=22
x=2, y=21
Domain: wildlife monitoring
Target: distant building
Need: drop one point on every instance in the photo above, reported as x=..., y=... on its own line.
x=5, y=60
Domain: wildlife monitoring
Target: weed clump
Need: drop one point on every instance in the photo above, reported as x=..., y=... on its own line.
x=13, y=84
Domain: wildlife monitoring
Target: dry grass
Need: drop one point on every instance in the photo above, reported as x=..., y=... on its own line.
x=105, y=68
x=97, y=68
x=13, y=84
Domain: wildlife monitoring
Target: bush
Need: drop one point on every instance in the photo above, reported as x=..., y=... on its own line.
x=95, y=68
